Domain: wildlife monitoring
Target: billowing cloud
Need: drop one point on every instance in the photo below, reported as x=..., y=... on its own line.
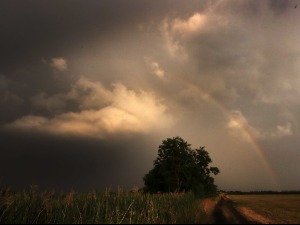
x=90, y=94
x=155, y=68
x=173, y=46
x=86, y=94
x=238, y=123
x=284, y=130
x=241, y=55
x=102, y=112
x=220, y=73
x=188, y=27
x=59, y=64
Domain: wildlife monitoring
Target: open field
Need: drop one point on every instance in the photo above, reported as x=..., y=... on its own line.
x=36, y=207
x=269, y=208
x=119, y=207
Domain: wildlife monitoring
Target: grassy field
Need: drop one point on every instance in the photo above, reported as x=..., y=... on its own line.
x=278, y=208
x=119, y=207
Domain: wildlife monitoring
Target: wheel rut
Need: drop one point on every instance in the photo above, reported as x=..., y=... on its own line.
x=226, y=213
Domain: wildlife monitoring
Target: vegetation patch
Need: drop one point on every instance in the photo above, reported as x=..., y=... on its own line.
x=33, y=206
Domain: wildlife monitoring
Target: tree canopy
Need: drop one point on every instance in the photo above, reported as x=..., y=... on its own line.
x=179, y=168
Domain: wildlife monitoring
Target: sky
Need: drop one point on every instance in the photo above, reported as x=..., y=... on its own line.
x=89, y=89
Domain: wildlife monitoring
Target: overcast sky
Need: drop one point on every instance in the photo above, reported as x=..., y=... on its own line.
x=89, y=89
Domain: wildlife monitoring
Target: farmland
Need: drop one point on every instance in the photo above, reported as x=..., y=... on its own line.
x=133, y=207
x=33, y=206
x=271, y=208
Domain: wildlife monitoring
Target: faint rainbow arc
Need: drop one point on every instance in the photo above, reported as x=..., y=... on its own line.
x=246, y=132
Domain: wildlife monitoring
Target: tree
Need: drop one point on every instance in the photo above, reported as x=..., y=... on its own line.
x=178, y=168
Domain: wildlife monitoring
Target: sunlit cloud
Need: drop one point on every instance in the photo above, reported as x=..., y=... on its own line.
x=189, y=26
x=59, y=64
x=238, y=123
x=237, y=120
x=124, y=111
x=284, y=130
x=240, y=126
x=173, y=46
x=221, y=73
x=90, y=94
x=155, y=68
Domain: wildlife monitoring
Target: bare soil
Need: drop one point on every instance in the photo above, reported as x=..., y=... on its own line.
x=225, y=212
x=253, y=216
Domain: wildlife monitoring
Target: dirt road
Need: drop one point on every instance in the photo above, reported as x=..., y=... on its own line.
x=226, y=213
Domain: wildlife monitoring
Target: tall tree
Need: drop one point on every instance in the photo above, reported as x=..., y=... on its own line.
x=179, y=168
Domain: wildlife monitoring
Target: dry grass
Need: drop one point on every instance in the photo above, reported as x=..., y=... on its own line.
x=107, y=207
x=270, y=208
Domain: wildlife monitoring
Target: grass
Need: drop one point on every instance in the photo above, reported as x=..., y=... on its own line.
x=36, y=207
x=279, y=208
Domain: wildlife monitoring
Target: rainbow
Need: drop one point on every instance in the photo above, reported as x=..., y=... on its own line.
x=245, y=130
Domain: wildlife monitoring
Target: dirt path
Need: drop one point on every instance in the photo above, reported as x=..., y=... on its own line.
x=226, y=213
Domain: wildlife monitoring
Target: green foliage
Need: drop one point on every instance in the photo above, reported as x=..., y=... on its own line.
x=34, y=207
x=178, y=168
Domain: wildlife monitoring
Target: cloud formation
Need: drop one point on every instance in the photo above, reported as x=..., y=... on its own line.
x=238, y=122
x=102, y=112
x=59, y=64
x=220, y=73
x=237, y=61
x=155, y=68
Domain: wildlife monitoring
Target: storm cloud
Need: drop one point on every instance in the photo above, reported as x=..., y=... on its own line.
x=89, y=89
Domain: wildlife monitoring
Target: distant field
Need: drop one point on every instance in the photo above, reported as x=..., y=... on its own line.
x=277, y=208
x=34, y=207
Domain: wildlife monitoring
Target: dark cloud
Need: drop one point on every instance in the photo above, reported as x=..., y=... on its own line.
x=88, y=89
x=34, y=29
x=280, y=6
x=53, y=162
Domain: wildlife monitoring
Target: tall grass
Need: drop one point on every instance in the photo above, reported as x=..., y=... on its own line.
x=34, y=207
